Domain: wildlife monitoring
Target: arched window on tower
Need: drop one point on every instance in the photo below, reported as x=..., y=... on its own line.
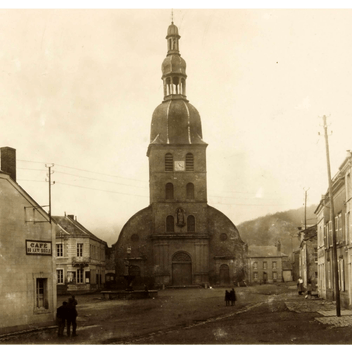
x=169, y=162
x=189, y=162
x=170, y=224
x=168, y=86
x=169, y=191
x=183, y=86
x=190, y=191
x=191, y=223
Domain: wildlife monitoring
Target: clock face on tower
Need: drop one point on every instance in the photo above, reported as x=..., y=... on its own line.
x=179, y=166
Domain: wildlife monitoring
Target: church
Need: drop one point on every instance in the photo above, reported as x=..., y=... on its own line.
x=179, y=240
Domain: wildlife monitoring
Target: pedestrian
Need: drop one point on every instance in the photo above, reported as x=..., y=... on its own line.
x=300, y=285
x=71, y=317
x=61, y=315
x=233, y=297
x=74, y=300
x=227, y=298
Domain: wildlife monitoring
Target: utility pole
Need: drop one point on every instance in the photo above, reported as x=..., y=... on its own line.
x=332, y=219
x=305, y=208
x=49, y=166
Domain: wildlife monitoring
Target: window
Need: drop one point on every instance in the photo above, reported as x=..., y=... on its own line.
x=341, y=275
x=264, y=265
x=274, y=275
x=60, y=276
x=190, y=190
x=41, y=294
x=169, y=162
x=59, y=250
x=170, y=224
x=79, y=249
x=191, y=223
x=80, y=276
x=255, y=266
x=274, y=265
x=169, y=191
x=189, y=162
x=255, y=276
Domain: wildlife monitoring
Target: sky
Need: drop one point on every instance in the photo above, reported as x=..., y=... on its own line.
x=78, y=89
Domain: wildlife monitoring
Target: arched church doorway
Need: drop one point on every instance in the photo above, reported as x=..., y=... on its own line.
x=224, y=274
x=181, y=269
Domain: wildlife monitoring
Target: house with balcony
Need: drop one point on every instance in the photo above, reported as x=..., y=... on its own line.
x=80, y=257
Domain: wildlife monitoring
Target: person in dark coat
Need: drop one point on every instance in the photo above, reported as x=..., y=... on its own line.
x=227, y=298
x=74, y=300
x=61, y=316
x=71, y=317
x=233, y=296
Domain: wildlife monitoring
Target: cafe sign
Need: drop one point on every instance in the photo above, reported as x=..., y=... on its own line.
x=38, y=247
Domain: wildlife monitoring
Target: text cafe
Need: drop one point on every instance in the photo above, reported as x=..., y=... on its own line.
x=38, y=247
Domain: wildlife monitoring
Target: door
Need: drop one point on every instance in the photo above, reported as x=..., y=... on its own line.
x=181, y=269
x=224, y=274
x=265, y=277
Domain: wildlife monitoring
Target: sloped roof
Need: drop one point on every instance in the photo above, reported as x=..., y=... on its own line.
x=264, y=251
x=74, y=228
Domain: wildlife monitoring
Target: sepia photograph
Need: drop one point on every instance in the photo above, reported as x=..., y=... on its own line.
x=175, y=176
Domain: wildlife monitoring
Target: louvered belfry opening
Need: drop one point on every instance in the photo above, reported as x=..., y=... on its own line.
x=169, y=162
x=189, y=162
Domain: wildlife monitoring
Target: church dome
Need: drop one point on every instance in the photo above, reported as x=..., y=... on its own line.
x=173, y=64
x=176, y=122
x=172, y=30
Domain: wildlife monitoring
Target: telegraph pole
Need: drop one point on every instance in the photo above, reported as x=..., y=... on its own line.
x=332, y=219
x=305, y=208
x=49, y=166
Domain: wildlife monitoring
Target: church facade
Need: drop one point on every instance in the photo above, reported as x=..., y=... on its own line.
x=179, y=240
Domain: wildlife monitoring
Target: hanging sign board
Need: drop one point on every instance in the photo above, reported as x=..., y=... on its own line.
x=38, y=247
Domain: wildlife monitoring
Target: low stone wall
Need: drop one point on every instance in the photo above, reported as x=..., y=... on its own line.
x=139, y=294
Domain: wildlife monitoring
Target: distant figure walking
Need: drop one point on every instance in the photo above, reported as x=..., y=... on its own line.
x=74, y=300
x=300, y=286
x=61, y=316
x=233, y=297
x=227, y=298
x=71, y=317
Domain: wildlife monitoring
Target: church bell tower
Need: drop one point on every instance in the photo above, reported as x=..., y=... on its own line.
x=177, y=165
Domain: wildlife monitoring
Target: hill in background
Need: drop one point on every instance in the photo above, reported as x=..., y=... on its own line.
x=282, y=226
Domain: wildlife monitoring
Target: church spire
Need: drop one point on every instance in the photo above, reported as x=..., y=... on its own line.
x=174, y=67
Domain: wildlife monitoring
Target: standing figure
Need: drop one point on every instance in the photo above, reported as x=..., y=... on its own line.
x=74, y=300
x=233, y=297
x=300, y=285
x=61, y=316
x=71, y=317
x=227, y=298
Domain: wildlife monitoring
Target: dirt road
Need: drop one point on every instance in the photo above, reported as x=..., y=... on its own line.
x=267, y=314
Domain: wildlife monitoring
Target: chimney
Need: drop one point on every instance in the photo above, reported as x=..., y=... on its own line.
x=72, y=217
x=278, y=247
x=8, y=161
